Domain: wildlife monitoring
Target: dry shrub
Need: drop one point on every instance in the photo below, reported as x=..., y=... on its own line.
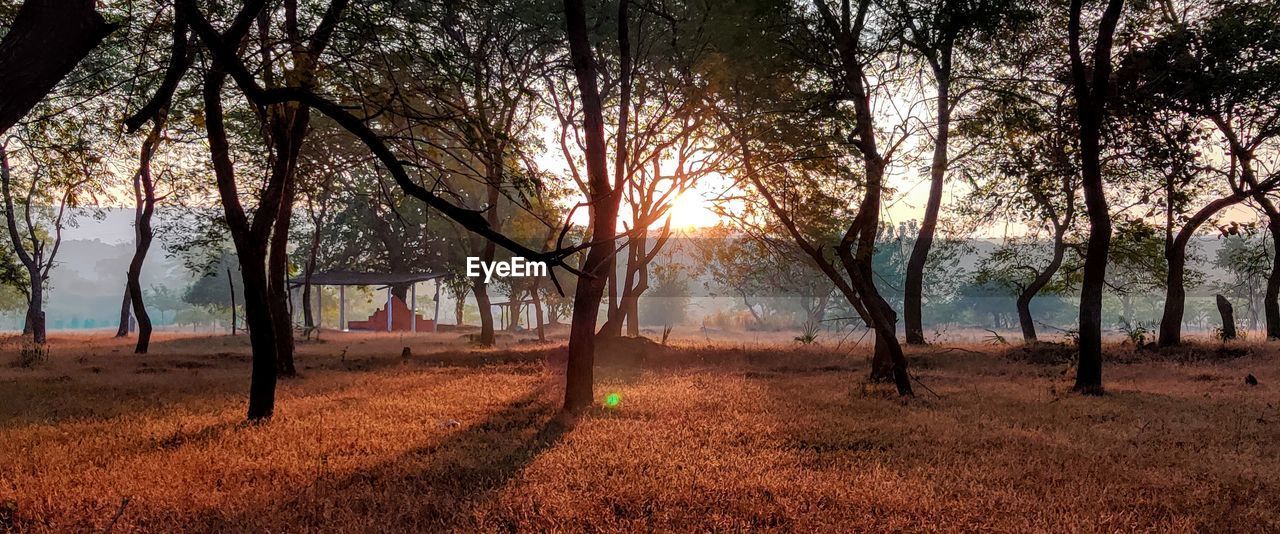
x=31, y=354
x=627, y=351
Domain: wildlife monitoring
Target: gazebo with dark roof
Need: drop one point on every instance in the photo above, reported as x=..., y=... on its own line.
x=342, y=279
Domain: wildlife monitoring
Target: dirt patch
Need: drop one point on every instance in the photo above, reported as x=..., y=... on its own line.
x=627, y=351
x=1043, y=353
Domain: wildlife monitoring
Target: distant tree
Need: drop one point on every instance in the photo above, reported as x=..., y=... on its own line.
x=667, y=304
x=212, y=289
x=163, y=299
x=58, y=170
x=1025, y=268
x=1137, y=265
x=953, y=38
x=1026, y=173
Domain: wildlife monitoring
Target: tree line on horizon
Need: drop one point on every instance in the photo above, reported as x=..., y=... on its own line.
x=1108, y=129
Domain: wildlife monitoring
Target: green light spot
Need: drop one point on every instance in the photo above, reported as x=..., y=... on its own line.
x=612, y=400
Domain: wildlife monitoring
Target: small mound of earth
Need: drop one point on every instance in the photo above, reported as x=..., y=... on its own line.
x=1043, y=353
x=627, y=351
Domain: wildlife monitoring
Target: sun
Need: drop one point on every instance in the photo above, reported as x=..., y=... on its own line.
x=691, y=210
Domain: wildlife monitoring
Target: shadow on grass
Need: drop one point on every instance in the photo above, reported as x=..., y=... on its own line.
x=162, y=380
x=431, y=487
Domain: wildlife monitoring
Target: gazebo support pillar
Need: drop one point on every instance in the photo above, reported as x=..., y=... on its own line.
x=389, y=311
x=413, y=307
x=342, y=308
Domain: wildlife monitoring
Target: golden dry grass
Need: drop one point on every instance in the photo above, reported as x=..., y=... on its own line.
x=707, y=437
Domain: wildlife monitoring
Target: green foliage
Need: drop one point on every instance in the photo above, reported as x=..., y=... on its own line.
x=667, y=302
x=1135, y=333
x=808, y=333
x=213, y=289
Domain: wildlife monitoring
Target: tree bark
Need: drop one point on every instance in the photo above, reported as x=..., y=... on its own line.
x=145, y=193
x=857, y=247
x=278, y=279
x=485, y=306
x=47, y=39
x=1228, y=318
x=32, y=260
x=1091, y=96
x=308, y=319
x=913, y=291
x=35, y=308
x=1271, y=299
x=535, y=295
x=479, y=287
x=1042, y=279
x=123, y=329
x=251, y=241
x=1175, y=255
x=604, y=198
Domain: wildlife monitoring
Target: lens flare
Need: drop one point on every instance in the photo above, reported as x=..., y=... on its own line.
x=612, y=400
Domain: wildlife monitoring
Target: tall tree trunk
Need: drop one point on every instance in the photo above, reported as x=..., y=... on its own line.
x=251, y=243
x=623, y=307
x=514, y=309
x=631, y=312
x=278, y=284
x=1091, y=97
x=231, y=283
x=1228, y=318
x=631, y=300
x=485, y=307
x=32, y=260
x=913, y=291
x=857, y=247
x=46, y=40
x=262, y=334
x=307, y=316
x=479, y=287
x=604, y=199
x=288, y=124
x=145, y=193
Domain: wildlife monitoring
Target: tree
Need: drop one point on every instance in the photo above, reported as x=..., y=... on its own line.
x=1220, y=69
x=1027, y=172
x=58, y=170
x=45, y=41
x=1090, y=86
x=951, y=37
x=602, y=197
x=252, y=236
x=213, y=289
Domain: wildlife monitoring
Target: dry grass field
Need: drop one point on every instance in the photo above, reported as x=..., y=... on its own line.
x=707, y=436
